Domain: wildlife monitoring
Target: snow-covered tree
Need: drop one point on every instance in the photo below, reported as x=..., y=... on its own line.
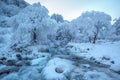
x=33, y=28
x=116, y=30
x=11, y=7
x=117, y=26
x=57, y=17
x=26, y=24
x=19, y=3
x=8, y=9
x=94, y=25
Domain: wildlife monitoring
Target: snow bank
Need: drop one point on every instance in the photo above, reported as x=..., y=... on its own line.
x=57, y=69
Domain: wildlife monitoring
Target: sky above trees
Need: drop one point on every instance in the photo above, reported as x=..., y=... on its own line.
x=71, y=9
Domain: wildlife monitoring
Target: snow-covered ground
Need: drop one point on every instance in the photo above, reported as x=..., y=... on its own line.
x=82, y=64
x=37, y=46
x=107, y=53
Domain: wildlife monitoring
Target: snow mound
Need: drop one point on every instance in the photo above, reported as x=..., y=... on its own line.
x=57, y=69
x=116, y=67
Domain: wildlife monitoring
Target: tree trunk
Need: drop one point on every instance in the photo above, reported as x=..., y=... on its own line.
x=34, y=36
x=94, y=39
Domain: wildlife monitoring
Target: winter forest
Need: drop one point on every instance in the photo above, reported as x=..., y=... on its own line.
x=37, y=46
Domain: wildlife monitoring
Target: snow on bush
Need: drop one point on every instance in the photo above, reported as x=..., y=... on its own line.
x=65, y=33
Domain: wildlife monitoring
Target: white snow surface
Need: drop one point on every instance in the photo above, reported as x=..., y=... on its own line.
x=100, y=51
x=50, y=73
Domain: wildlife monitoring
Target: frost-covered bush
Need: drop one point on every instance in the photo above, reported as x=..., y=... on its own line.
x=65, y=33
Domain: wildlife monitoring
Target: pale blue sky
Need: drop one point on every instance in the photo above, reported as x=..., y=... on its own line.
x=71, y=9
